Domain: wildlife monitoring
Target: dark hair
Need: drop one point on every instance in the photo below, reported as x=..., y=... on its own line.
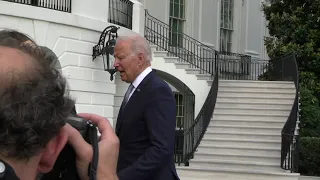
x=6, y=35
x=33, y=105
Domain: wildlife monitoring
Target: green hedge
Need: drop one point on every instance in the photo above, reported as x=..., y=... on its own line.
x=309, y=156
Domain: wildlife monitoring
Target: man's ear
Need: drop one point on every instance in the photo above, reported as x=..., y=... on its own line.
x=141, y=59
x=52, y=151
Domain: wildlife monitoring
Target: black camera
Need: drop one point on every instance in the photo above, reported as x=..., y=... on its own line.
x=65, y=166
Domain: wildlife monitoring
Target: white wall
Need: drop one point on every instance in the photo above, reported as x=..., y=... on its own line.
x=71, y=37
x=121, y=89
x=158, y=9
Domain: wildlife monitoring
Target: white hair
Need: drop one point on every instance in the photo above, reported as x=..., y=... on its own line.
x=138, y=45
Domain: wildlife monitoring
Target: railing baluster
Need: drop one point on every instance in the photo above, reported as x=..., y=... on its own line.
x=50, y=4
x=120, y=13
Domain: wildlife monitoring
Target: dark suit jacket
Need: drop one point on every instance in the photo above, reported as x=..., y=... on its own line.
x=146, y=129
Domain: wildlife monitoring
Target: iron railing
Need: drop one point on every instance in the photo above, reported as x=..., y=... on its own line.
x=59, y=5
x=286, y=69
x=233, y=66
x=230, y=66
x=186, y=121
x=188, y=49
x=197, y=54
x=120, y=13
x=188, y=140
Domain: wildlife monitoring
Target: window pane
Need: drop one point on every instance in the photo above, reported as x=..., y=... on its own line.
x=180, y=26
x=174, y=35
x=229, y=36
x=181, y=11
x=230, y=23
x=171, y=9
x=176, y=10
x=226, y=5
x=176, y=1
x=221, y=12
x=181, y=1
x=174, y=25
x=225, y=22
x=229, y=47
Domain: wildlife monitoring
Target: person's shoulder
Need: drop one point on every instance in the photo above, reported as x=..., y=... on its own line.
x=159, y=84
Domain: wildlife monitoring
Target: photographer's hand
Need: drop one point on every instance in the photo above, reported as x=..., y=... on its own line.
x=108, y=149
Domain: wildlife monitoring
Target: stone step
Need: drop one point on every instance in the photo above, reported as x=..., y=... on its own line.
x=256, y=84
x=182, y=65
x=252, y=111
x=245, y=151
x=171, y=59
x=232, y=157
x=208, y=173
x=192, y=71
x=251, y=105
x=240, y=89
x=253, y=117
x=245, y=115
x=243, y=129
x=160, y=53
x=251, y=94
x=260, y=123
x=245, y=135
x=204, y=76
x=223, y=164
x=236, y=99
x=237, y=142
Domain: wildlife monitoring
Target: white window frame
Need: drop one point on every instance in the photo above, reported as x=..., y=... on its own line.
x=226, y=25
x=180, y=17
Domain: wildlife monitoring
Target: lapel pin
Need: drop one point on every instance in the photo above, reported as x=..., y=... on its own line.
x=138, y=90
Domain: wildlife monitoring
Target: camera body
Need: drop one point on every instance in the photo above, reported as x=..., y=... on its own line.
x=65, y=166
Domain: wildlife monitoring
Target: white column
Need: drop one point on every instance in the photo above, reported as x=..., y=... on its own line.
x=138, y=16
x=97, y=9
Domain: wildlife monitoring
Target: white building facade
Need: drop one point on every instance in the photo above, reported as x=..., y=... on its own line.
x=206, y=50
x=235, y=26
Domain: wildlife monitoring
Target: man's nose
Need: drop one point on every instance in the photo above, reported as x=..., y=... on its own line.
x=115, y=63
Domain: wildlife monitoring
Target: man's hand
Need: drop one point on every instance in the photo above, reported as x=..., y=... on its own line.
x=108, y=149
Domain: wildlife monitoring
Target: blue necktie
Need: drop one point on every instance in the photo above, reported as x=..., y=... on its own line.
x=127, y=95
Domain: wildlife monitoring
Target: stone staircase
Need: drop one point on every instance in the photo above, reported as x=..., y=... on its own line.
x=243, y=140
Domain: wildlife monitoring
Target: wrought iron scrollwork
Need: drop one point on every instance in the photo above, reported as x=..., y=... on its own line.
x=106, y=48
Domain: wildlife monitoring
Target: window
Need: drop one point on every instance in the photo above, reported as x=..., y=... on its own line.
x=180, y=110
x=226, y=25
x=176, y=22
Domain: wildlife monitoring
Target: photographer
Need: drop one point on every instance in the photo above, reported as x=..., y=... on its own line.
x=33, y=106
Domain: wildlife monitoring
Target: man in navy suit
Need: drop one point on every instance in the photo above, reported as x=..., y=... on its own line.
x=147, y=117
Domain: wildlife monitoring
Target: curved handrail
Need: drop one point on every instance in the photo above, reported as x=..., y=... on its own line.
x=290, y=143
x=193, y=135
x=285, y=68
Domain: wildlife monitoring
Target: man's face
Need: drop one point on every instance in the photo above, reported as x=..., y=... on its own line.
x=126, y=61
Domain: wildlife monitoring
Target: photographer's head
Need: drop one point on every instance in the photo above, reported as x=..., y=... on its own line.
x=33, y=106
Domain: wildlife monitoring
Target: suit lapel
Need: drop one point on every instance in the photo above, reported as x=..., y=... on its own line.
x=124, y=109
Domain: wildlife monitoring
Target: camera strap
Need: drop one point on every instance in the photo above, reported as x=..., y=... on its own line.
x=93, y=140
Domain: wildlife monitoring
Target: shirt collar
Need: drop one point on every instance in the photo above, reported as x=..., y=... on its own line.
x=141, y=76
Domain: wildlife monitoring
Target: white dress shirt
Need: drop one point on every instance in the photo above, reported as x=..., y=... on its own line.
x=139, y=79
